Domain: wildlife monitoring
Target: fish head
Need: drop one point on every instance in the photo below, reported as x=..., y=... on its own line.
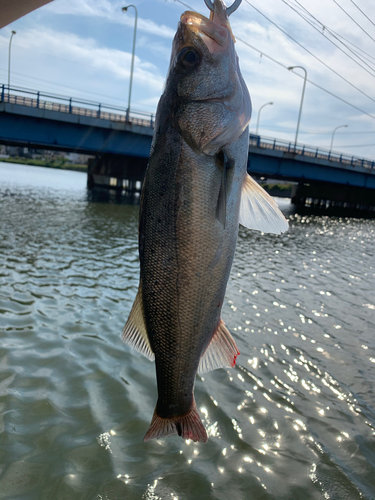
x=211, y=104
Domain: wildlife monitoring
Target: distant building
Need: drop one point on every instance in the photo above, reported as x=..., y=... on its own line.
x=43, y=154
x=3, y=152
x=77, y=158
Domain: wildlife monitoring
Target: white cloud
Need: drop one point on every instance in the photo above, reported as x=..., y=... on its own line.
x=96, y=64
x=268, y=81
x=110, y=12
x=86, y=52
x=80, y=68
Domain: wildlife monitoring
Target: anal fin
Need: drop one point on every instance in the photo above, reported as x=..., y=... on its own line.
x=135, y=332
x=221, y=352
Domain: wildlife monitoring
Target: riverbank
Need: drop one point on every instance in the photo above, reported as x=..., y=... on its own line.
x=56, y=163
x=277, y=189
x=274, y=189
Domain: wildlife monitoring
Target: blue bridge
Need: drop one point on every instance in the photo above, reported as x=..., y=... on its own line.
x=121, y=144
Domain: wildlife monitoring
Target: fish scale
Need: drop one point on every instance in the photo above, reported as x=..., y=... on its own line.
x=195, y=192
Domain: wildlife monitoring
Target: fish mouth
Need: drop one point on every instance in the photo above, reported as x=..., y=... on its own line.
x=214, y=35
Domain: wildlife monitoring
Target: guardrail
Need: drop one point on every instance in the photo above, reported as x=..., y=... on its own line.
x=53, y=102
x=309, y=151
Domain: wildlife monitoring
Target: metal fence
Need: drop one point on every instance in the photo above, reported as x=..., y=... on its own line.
x=309, y=151
x=52, y=102
x=36, y=99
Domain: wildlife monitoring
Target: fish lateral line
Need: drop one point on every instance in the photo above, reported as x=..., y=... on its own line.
x=197, y=174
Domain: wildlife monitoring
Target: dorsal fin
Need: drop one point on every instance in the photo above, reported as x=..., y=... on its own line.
x=135, y=332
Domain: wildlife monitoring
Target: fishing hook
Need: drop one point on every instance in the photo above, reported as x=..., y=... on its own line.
x=229, y=10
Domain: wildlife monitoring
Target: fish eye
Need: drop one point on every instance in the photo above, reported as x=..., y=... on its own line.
x=188, y=57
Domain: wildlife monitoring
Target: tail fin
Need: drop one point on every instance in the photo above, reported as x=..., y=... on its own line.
x=188, y=426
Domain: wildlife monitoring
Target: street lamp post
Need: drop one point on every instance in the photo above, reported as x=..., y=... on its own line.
x=10, y=44
x=260, y=109
x=333, y=134
x=124, y=9
x=303, y=94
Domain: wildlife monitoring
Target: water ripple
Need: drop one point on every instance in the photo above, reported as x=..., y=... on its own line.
x=294, y=420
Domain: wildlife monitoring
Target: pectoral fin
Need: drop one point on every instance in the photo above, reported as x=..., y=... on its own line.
x=221, y=352
x=258, y=210
x=221, y=208
x=135, y=332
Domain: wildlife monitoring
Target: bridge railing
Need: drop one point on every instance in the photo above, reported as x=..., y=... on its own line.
x=53, y=102
x=309, y=151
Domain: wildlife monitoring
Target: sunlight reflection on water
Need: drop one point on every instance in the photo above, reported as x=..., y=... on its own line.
x=294, y=419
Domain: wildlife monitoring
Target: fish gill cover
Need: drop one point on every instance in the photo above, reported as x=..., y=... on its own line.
x=195, y=193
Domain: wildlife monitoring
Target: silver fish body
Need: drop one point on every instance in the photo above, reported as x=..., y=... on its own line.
x=191, y=206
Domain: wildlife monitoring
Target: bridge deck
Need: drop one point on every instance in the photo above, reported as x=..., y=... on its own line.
x=40, y=120
x=61, y=104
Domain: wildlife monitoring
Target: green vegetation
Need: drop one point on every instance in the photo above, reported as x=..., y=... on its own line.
x=274, y=189
x=280, y=187
x=61, y=163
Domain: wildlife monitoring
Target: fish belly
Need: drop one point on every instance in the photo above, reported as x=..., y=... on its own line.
x=186, y=256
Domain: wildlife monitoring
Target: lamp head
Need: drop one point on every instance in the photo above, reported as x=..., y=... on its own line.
x=124, y=9
x=14, y=32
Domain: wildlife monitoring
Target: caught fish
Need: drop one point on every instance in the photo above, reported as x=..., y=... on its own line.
x=195, y=193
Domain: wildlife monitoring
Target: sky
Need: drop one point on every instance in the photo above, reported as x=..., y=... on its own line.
x=82, y=49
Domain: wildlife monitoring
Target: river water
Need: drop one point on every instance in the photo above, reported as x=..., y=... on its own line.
x=295, y=419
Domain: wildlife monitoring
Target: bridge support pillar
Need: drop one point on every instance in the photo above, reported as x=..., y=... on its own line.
x=331, y=196
x=116, y=172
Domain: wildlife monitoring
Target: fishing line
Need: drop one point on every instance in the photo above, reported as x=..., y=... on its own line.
x=309, y=52
x=354, y=21
x=360, y=10
x=310, y=81
x=330, y=30
x=324, y=29
x=85, y=92
x=285, y=67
